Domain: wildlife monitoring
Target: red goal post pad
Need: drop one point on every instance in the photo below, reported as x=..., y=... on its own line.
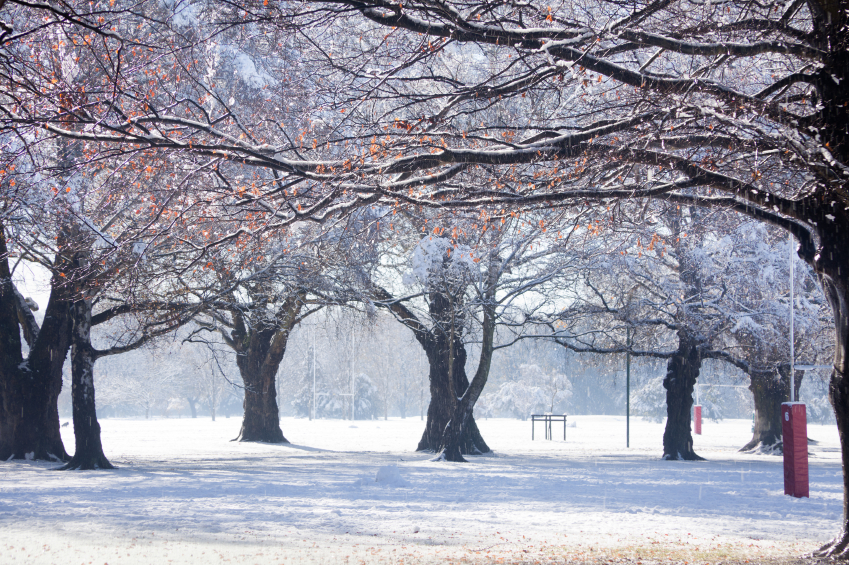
x=697, y=419
x=794, y=428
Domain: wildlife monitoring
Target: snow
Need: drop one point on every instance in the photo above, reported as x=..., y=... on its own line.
x=139, y=248
x=249, y=73
x=185, y=13
x=389, y=476
x=184, y=493
x=428, y=260
x=33, y=281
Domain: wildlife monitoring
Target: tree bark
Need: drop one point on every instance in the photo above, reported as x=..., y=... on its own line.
x=448, y=382
x=769, y=390
x=441, y=372
x=834, y=276
x=30, y=387
x=443, y=400
x=89, y=450
x=261, y=421
x=259, y=352
x=457, y=428
x=681, y=375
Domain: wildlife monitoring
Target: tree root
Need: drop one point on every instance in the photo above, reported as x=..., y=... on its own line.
x=835, y=549
x=688, y=456
x=87, y=463
x=760, y=448
x=243, y=438
x=261, y=436
x=452, y=455
x=41, y=454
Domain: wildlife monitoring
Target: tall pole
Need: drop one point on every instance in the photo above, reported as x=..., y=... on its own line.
x=628, y=389
x=314, y=406
x=353, y=398
x=792, y=329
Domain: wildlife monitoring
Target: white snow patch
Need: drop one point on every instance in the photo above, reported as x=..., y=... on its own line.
x=249, y=73
x=390, y=476
x=434, y=256
x=185, y=12
x=183, y=492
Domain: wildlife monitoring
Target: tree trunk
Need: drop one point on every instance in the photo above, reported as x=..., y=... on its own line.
x=681, y=375
x=835, y=282
x=456, y=430
x=443, y=399
x=828, y=212
x=29, y=388
x=769, y=391
x=192, y=406
x=261, y=421
x=447, y=371
x=258, y=362
x=260, y=344
x=89, y=450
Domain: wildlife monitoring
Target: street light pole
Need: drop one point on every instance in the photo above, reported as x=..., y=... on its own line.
x=792, y=329
x=314, y=407
x=628, y=388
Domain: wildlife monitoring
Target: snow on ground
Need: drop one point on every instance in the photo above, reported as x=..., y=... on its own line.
x=183, y=493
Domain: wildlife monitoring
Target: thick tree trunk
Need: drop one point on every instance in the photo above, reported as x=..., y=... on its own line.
x=89, y=450
x=681, y=375
x=260, y=344
x=29, y=425
x=29, y=388
x=443, y=399
x=769, y=389
x=828, y=212
x=446, y=355
x=837, y=291
x=457, y=428
x=261, y=421
x=258, y=363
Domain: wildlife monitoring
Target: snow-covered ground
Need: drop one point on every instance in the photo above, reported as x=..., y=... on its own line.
x=183, y=493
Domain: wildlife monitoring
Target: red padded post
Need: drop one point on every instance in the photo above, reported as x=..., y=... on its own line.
x=794, y=428
x=697, y=419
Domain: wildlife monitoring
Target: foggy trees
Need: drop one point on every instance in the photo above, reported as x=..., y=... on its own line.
x=460, y=290
x=485, y=107
x=371, y=343
x=754, y=261
x=728, y=105
x=258, y=304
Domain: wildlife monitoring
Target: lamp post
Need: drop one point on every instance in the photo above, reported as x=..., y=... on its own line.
x=792, y=329
x=628, y=388
x=794, y=425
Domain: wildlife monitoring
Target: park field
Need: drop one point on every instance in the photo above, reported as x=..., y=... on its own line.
x=356, y=492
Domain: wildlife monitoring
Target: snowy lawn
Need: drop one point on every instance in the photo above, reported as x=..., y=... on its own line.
x=184, y=494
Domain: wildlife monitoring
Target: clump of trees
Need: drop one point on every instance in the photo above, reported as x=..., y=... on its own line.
x=171, y=132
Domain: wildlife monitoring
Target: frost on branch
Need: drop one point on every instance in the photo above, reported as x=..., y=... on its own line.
x=436, y=258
